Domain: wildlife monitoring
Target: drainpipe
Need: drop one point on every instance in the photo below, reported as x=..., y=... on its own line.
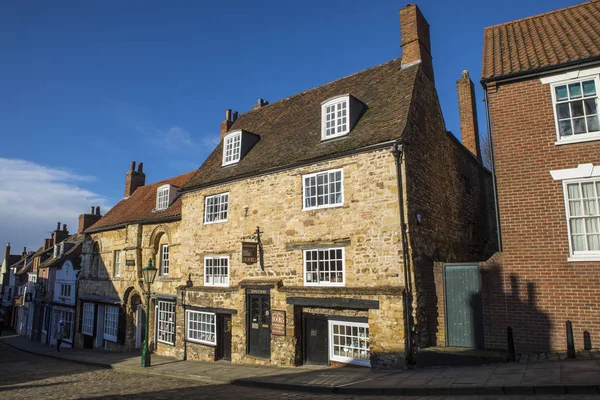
x=398, y=151
x=493, y=161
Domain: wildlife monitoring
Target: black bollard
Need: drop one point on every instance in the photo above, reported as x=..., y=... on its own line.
x=511, y=344
x=570, y=341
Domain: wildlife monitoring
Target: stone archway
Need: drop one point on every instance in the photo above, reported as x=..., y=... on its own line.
x=132, y=300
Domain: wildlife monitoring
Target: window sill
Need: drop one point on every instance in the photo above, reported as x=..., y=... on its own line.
x=583, y=138
x=308, y=284
x=583, y=258
x=323, y=207
x=167, y=343
x=215, y=222
x=202, y=343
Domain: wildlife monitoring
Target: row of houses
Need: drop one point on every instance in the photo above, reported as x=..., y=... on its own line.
x=346, y=225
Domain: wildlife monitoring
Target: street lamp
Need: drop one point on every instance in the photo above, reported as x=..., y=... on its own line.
x=149, y=273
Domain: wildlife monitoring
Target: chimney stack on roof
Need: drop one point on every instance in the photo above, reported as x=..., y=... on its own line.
x=134, y=179
x=24, y=252
x=260, y=103
x=87, y=220
x=415, y=42
x=229, y=120
x=59, y=235
x=467, y=109
x=65, y=227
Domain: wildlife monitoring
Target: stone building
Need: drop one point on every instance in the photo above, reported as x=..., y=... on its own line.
x=542, y=98
x=310, y=232
x=142, y=226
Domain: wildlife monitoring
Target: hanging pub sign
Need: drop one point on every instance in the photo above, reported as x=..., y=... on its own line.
x=130, y=263
x=249, y=252
x=278, y=322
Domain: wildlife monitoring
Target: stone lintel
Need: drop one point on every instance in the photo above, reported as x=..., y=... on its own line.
x=342, y=242
x=215, y=310
x=332, y=302
x=366, y=291
x=261, y=283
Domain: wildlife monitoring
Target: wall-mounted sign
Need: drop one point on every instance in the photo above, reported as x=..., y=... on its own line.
x=278, y=322
x=249, y=252
x=257, y=291
x=130, y=263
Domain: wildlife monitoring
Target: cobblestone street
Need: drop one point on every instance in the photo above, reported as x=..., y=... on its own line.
x=27, y=376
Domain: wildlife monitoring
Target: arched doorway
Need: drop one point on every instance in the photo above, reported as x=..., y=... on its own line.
x=138, y=318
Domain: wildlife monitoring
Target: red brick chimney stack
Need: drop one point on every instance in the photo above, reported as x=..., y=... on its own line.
x=415, y=42
x=134, y=179
x=87, y=220
x=467, y=109
x=226, y=125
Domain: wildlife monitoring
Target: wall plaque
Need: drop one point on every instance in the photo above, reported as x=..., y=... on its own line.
x=130, y=263
x=278, y=322
x=249, y=252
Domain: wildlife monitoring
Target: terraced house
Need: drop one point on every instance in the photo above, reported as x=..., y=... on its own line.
x=541, y=78
x=308, y=236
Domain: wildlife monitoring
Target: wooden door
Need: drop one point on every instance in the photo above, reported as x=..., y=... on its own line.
x=316, y=349
x=224, y=342
x=259, y=325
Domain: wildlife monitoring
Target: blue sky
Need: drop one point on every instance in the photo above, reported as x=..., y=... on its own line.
x=88, y=86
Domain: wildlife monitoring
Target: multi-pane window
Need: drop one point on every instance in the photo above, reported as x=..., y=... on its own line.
x=335, y=118
x=584, y=216
x=232, y=148
x=87, y=321
x=162, y=197
x=117, y=271
x=111, y=323
x=349, y=342
x=215, y=209
x=324, y=267
x=201, y=327
x=324, y=189
x=216, y=271
x=576, y=108
x=166, y=322
x=164, y=259
x=65, y=290
x=69, y=319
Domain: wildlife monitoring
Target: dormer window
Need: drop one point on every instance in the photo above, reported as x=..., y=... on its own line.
x=232, y=148
x=335, y=118
x=338, y=116
x=162, y=197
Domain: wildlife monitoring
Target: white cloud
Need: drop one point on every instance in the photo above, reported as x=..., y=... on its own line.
x=178, y=139
x=33, y=198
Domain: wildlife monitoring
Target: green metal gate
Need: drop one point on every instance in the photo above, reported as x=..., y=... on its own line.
x=464, y=315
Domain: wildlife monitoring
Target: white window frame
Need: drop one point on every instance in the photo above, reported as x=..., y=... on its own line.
x=87, y=320
x=588, y=255
x=206, y=275
x=162, y=197
x=117, y=264
x=164, y=261
x=199, y=327
x=345, y=359
x=236, y=151
x=316, y=175
x=68, y=318
x=324, y=115
x=218, y=214
x=318, y=261
x=574, y=138
x=111, y=323
x=65, y=290
x=165, y=317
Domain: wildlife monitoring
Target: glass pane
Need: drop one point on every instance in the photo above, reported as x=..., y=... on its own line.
x=591, y=225
x=591, y=106
x=575, y=90
x=594, y=242
x=577, y=108
x=573, y=191
x=593, y=124
x=577, y=225
x=579, y=243
x=563, y=111
x=589, y=88
x=561, y=93
x=579, y=125
x=565, y=128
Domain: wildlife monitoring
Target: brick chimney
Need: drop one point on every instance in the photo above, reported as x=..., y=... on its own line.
x=415, y=43
x=226, y=125
x=467, y=109
x=134, y=179
x=260, y=103
x=59, y=234
x=87, y=220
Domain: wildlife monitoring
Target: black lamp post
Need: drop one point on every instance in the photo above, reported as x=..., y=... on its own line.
x=149, y=273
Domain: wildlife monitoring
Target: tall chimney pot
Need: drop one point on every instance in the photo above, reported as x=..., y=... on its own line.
x=97, y=210
x=141, y=167
x=133, y=179
x=91, y=209
x=58, y=226
x=132, y=166
x=467, y=110
x=415, y=43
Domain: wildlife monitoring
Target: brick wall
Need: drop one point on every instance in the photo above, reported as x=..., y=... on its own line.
x=536, y=289
x=452, y=193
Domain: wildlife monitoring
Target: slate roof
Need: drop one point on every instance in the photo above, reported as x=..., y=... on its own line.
x=138, y=207
x=558, y=37
x=290, y=129
x=72, y=253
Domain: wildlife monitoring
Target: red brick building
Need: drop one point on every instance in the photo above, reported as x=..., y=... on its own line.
x=541, y=79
